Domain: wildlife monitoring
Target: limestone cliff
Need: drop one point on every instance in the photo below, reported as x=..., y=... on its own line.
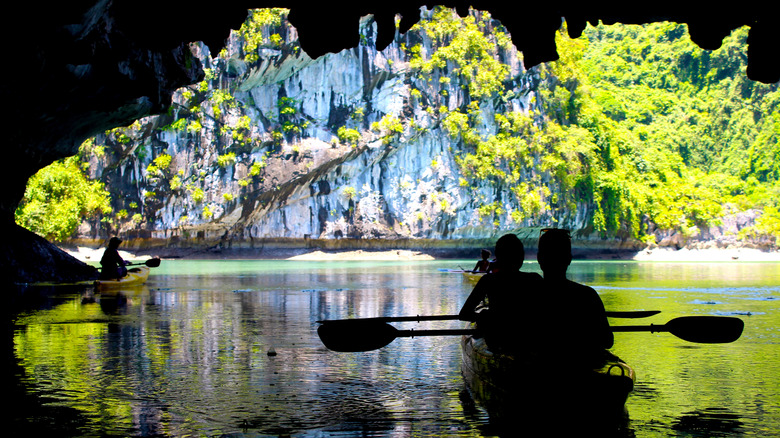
x=360, y=146
x=275, y=145
x=86, y=66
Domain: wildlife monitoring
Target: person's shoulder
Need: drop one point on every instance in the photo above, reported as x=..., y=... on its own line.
x=575, y=285
x=583, y=290
x=529, y=276
x=521, y=277
x=487, y=278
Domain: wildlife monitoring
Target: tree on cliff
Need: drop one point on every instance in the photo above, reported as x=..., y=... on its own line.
x=58, y=198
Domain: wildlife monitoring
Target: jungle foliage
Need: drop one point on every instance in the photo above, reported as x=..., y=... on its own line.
x=635, y=124
x=57, y=199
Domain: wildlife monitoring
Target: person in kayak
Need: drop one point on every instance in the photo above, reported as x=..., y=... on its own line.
x=504, y=290
x=484, y=264
x=113, y=266
x=580, y=329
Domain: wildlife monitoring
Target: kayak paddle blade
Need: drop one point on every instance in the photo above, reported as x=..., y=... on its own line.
x=153, y=263
x=706, y=329
x=355, y=335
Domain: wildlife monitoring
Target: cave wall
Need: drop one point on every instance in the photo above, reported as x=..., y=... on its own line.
x=77, y=68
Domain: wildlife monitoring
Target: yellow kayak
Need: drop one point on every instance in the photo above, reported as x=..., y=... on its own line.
x=472, y=277
x=135, y=277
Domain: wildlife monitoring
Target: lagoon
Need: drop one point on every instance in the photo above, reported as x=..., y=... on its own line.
x=229, y=348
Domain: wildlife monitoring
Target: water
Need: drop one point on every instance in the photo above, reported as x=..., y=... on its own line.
x=229, y=348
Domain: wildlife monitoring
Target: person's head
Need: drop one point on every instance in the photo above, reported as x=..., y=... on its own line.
x=510, y=252
x=554, y=254
x=114, y=242
x=485, y=254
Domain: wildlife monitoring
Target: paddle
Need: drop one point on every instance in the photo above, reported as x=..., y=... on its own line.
x=700, y=329
x=353, y=335
x=152, y=263
x=418, y=318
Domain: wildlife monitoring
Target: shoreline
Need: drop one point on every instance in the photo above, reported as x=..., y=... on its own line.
x=86, y=254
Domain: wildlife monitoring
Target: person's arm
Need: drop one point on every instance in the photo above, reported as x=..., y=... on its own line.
x=604, y=336
x=117, y=258
x=467, y=312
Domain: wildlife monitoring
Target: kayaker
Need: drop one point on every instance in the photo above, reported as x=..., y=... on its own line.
x=484, y=264
x=580, y=330
x=505, y=291
x=113, y=266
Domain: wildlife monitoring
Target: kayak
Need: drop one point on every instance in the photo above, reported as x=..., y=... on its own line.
x=468, y=276
x=135, y=277
x=472, y=277
x=508, y=386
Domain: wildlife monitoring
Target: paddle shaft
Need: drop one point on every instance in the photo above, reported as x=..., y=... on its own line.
x=652, y=328
x=419, y=318
x=366, y=334
x=152, y=263
x=444, y=332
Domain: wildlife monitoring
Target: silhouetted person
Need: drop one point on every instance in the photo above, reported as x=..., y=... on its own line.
x=484, y=264
x=505, y=291
x=112, y=263
x=580, y=331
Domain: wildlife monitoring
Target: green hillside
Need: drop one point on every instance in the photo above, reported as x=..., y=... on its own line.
x=680, y=131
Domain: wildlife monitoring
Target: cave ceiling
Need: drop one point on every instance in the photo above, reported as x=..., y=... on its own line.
x=73, y=69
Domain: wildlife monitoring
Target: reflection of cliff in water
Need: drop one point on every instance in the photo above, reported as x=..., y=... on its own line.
x=188, y=353
x=351, y=404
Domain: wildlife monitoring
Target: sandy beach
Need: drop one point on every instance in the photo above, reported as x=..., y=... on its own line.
x=648, y=255
x=707, y=255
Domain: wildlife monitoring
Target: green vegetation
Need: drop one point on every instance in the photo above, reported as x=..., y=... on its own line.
x=466, y=47
x=254, y=169
x=635, y=124
x=159, y=165
x=226, y=160
x=220, y=98
x=348, y=136
x=253, y=31
x=388, y=127
x=198, y=195
x=176, y=182
x=58, y=198
x=678, y=131
x=349, y=192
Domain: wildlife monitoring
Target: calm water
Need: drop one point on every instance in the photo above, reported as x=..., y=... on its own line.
x=192, y=352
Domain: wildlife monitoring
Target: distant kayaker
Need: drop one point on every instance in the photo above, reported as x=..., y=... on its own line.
x=113, y=266
x=484, y=264
x=505, y=291
x=581, y=330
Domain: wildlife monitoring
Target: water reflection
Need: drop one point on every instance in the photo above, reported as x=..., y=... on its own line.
x=713, y=422
x=189, y=353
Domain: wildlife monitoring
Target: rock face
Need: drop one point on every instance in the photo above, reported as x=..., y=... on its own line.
x=274, y=146
x=28, y=258
x=85, y=66
x=79, y=70
x=276, y=149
